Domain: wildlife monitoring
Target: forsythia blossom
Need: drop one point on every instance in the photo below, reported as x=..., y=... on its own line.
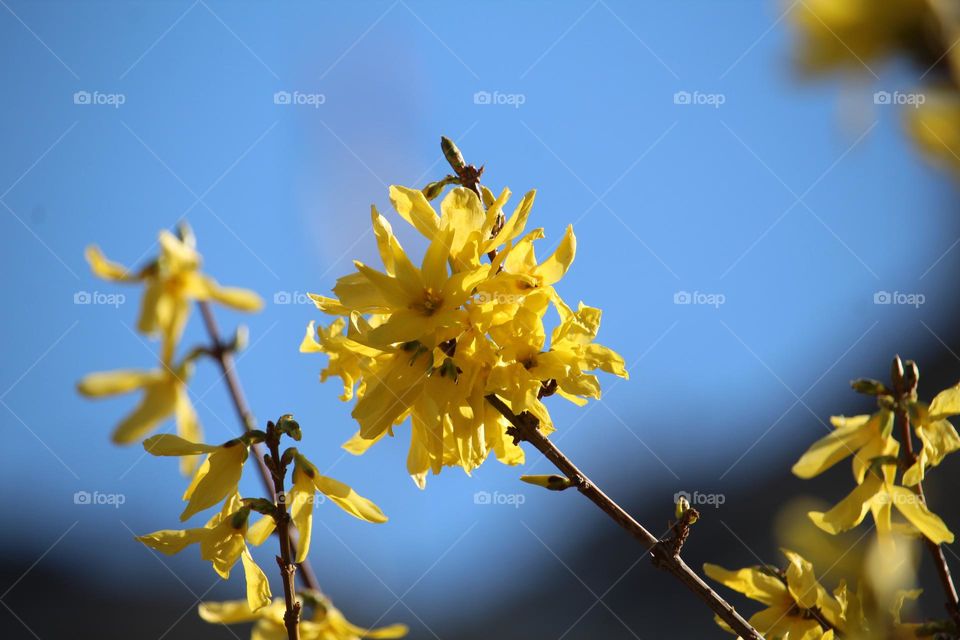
x=794, y=599
x=431, y=341
x=326, y=623
x=172, y=282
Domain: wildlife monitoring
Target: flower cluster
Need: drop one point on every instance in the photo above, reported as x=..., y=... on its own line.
x=431, y=341
x=172, y=282
x=223, y=539
x=870, y=440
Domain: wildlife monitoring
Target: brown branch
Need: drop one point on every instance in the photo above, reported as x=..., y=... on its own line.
x=525, y=427
x=291, y=617
x=905, y=385
x=224, y=356
x=936, y=551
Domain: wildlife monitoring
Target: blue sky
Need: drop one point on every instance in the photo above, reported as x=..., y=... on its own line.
x=795, y=201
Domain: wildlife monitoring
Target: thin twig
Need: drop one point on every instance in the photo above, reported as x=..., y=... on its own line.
x=525, y=427
x=224, y=356
x=291, y=616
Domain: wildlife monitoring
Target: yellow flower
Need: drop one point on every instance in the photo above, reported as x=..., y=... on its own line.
x=165, y=394
x=864, y=437
x=850, y=33
x=879, y=495
x=794, y=599
x=221, y=543
x=935, y=126
x=307, y=481
x=173, y=281
x=935, y=432
x=429, y=343
x=325, y=623
x=218, y=476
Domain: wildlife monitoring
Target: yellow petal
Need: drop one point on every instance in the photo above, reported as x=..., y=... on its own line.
x=108, y=383
x=413, y=207
x=206, y=288
x=260, y=531
x=166, y=444
x=349, y=500
x=188, y=427
x=928, y=523
x=217, y=477
x=171, y=541
x=233, y=612
x=750, y=581
x=553, y=268
x=946, y=403
x=106, y=269
x=850, y=511
x=831, y=449
x=301, y=510
x=158, y=403
x=258, y=587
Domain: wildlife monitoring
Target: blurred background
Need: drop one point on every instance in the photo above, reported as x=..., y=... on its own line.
x=758, y=226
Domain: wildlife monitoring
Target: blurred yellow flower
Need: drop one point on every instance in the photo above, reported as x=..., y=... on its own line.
x=222, y=542
x=172, y=282
x=326, y=622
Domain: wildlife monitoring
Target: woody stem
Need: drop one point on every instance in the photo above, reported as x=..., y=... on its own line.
x=525, y=427
x=224, y=357
x=936, y=551
x=291, y=617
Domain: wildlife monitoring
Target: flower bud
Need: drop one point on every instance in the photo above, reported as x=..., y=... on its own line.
x=869, y=387
x=552, y=482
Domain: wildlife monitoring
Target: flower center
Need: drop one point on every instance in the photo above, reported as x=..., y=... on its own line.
x=428, y=304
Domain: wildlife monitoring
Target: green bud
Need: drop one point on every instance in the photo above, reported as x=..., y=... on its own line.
x=552, y=482
x=260, y=505
x=869, y=387
x=896, y=372
x=682, y=506
x=287, y=425
x=434, y=189
x=240, y=517
x=452, y=154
